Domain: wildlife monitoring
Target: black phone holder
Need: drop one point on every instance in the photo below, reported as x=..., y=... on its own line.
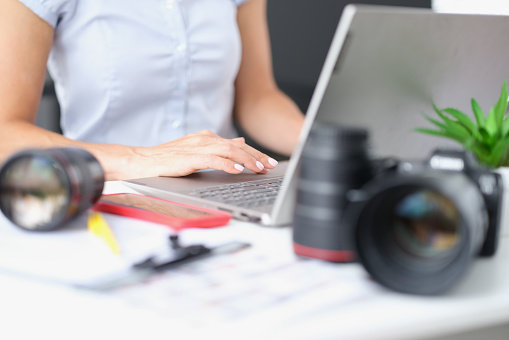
x=180, y=256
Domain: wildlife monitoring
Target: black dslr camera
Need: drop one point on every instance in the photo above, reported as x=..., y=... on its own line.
x=415, y=227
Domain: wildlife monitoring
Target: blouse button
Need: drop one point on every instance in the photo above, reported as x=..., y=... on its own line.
x=176, y=124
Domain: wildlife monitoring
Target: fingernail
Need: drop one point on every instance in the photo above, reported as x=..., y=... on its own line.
x=260, y=165
x=238, y=167
x=272, y=161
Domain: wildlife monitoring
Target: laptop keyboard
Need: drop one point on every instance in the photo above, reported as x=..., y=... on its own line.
x=245, y=194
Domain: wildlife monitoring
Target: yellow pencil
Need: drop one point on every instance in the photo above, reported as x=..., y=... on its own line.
x=98, y=227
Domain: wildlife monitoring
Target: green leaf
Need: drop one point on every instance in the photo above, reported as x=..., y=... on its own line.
x=463, y=119
x=505, y=128
x=491, y=123
x=481, y=153
x=484, y=134
x=454, y=129
x=439, y=112
x=479, y=115
x=499, y=153
x=504, y=160
x=457, y=129
x=479, y=148
x=501, y=107
x=437, y=123
x=452, y=125
x=445, y=134
x=432, y=132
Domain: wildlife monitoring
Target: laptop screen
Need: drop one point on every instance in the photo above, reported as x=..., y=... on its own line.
x=391, y=65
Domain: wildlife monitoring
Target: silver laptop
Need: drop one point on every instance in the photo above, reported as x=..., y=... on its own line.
x=384, y=68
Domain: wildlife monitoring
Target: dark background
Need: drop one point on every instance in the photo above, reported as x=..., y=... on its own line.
x=300, y=32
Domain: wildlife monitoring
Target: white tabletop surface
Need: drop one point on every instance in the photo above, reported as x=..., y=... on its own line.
x=352, y=308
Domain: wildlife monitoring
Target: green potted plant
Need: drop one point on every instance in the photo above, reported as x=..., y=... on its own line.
x=487, y=136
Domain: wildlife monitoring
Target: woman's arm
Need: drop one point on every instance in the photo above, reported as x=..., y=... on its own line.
x=262, y=110
x=25, y=43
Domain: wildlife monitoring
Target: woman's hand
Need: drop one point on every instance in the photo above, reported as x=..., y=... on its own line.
x=196, y=151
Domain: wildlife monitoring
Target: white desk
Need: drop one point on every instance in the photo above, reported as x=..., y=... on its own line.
x=30, y=309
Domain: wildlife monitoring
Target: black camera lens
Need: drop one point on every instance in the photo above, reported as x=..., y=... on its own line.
x=416, y=235
x=334, y=160
x=43, y=189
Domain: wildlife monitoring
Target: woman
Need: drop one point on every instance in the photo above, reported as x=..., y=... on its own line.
x=147, y=86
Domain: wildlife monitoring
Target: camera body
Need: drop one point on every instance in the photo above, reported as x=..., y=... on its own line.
x=414, y=226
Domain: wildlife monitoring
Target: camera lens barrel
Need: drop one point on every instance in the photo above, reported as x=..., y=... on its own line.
x=42, y=189
x=334, y=161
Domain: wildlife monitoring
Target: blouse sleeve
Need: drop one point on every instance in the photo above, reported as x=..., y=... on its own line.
x=51, y=11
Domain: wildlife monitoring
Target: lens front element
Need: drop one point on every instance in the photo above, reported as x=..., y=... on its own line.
x=426, y=224
x=34, y=192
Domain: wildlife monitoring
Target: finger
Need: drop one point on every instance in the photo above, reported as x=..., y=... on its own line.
x=267, y=161
x=216, y=162
x=228, y=150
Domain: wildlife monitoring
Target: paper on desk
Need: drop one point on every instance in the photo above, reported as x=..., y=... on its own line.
x=75, y=256
x=266, y=284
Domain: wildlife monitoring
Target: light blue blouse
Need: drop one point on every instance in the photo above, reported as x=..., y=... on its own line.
x=143, y=72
